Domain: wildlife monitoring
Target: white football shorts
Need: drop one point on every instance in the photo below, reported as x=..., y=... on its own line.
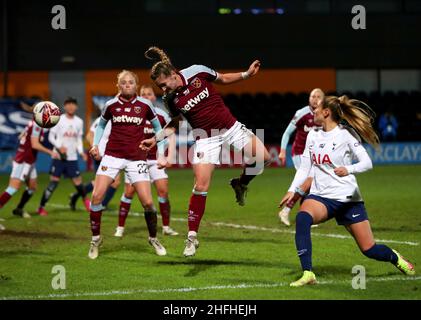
x=154, y=172
x=135, y=171
x=208, y=150
x=23, y=171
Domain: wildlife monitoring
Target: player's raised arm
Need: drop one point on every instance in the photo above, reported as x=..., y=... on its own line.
x=227, y=78
x=284, y=142
x=38, y=146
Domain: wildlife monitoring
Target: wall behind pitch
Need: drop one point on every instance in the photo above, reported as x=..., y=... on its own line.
x=65, y=84
x=27, y=84
x=110, y=34
x=395, y=80
x=357, y=80
x=283, y=80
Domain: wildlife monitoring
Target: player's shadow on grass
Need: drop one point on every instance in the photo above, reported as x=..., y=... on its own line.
x=27, y=252
x=139, y=248
x=38, y=235
x=341, y=271
x=199, y=266
x=250, y=239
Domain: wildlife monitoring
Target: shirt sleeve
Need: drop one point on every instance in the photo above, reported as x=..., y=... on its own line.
x=298, y=116
x=36, y=130
x=54, y=138
x=99, y=131
x=151, y=114
x=164, y=116
x=80, y=140
x=94, y=125
x=204, y=72
x=287, y=134
x=305, y=169
x=364, y=162
x=106, y=113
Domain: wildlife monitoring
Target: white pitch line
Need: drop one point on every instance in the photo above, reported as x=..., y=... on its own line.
x=192, y=289
x=256, y=228
x=329, y=235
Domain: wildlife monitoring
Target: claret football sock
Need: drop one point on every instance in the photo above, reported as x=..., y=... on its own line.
x=196, y=209
x=95, y=217
x=123, y=212
x=164, y=209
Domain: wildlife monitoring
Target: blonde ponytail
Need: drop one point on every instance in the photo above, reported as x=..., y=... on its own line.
x=163, y=66
x=356, y=113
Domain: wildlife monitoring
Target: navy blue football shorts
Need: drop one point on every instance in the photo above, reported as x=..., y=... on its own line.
x=345, y=213
x=96, y=165
x=70, y=169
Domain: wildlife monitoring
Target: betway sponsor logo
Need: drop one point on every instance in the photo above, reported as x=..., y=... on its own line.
x=128, y=119
x=147, y=130
x=194, y=101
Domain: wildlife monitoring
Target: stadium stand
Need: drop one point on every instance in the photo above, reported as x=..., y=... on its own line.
x=273, y=111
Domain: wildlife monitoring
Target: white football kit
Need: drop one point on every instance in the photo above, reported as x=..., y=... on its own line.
x=325, y=151
x=68, y=133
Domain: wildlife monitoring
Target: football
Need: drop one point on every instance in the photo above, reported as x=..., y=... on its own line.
x=46, y=114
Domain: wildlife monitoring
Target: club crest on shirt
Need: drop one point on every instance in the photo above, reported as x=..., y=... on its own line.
x=196, y=83
x=334, y=146
x=137, y=109
x=104, y=168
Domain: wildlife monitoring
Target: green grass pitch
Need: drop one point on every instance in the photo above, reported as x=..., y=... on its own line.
x=245, y=253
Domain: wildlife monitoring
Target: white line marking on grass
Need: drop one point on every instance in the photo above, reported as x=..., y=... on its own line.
x=191, y=289
x=329, y=235
x=256, y=228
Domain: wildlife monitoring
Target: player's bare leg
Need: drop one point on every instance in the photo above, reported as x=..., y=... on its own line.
x=143, y=190
x=78, y=183
x=101, y=184
x=26, y=196
x=161, y=186
x=110, y=192
x=298, y=195
x=203, y=175
x=48, y=192
x=258, y=157
x=124, y=209
x=363, y=235
x=311, y=211
x=13, y=187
